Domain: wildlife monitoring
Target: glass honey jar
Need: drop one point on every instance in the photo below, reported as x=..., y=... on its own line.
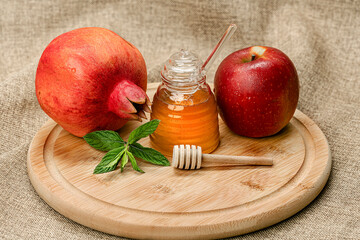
x=185, y=105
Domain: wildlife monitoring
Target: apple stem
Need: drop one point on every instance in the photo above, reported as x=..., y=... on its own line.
x=253, y=57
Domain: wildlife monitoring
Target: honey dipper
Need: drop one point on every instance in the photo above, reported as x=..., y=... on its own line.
x=191, y=157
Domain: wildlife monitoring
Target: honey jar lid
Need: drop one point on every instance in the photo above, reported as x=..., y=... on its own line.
x=183, y=67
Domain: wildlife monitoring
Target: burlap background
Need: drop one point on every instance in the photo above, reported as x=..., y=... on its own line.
x=321, y=37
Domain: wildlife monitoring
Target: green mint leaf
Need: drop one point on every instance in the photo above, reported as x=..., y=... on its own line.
x=133, y=163
x=110, y=160
x=143, y=131
x=124, y=161
x=104, y=140
x=148, y=154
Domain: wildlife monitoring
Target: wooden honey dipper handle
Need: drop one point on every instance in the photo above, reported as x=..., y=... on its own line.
x=191, y=157
x=212, y=160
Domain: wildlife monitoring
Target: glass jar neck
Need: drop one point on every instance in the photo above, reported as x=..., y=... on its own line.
x=185, y=85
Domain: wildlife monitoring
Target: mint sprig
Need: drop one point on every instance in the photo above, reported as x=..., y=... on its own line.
x=110, y=160
x=122, y=152
x=148, y=154
x=104, y=140
x=143, y=131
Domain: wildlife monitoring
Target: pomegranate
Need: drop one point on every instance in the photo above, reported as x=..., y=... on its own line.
x=91, y=79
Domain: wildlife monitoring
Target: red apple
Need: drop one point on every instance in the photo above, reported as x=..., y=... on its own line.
x=257, y=90
x=91, y=79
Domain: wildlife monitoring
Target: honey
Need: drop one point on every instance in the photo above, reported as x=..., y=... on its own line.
x=191, y=121
x=186, y=107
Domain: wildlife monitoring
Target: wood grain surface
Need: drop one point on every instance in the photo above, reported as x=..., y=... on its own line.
x=168, y=203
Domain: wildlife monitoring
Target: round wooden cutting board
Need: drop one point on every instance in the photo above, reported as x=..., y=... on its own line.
x=167, y=203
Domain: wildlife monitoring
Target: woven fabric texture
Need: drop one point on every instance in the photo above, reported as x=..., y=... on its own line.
x=321, y=37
